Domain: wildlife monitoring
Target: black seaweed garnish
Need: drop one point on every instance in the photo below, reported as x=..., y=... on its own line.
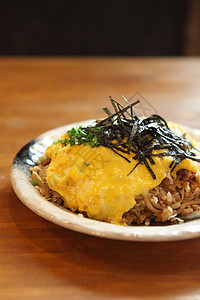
x=124, y=132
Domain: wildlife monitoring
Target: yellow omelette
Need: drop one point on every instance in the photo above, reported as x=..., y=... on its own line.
x=94, y=180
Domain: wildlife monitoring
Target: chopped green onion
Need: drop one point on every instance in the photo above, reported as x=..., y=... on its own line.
x=79, y=137
x=34, y=182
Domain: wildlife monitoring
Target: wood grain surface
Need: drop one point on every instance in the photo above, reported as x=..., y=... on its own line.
x=40, y=260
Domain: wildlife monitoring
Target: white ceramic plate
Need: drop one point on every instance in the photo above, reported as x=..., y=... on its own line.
x=21, y=182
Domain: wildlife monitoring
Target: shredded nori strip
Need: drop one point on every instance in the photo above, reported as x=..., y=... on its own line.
x=124, y=132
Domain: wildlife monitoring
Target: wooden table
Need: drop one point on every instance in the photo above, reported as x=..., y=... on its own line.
x=40, y=260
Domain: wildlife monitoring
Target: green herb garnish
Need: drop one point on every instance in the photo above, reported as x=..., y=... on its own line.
x=34, y=182
x=80, y=136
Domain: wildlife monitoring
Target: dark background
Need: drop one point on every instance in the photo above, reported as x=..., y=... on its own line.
x=98, y=27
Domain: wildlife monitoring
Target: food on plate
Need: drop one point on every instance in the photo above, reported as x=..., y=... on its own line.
x=124, y=169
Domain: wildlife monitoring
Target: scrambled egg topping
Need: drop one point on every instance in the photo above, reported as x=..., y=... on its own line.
x=94, y=180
